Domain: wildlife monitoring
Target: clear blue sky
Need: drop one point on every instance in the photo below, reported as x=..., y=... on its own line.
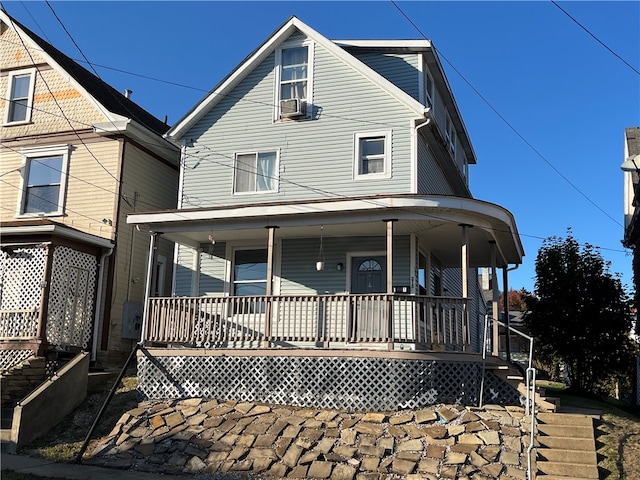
x=566, y=96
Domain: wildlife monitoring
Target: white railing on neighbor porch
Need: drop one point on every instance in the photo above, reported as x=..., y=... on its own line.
x=428, y=322
x=19, y=324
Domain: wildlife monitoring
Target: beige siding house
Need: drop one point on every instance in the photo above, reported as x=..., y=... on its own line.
x=76, y=157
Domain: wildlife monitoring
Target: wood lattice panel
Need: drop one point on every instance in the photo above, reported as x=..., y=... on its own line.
x=10, y=358
x=21, y=276
x=346, y=383
x=71, y=298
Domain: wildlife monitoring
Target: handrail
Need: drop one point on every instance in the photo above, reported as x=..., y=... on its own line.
x=530, y=402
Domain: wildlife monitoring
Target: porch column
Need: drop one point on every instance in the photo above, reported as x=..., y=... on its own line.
x=465, y=275
x=269, y=289
x=495, y=301
x=45, y=285
x=390, y=335
x=151, y=268
x=507, y=338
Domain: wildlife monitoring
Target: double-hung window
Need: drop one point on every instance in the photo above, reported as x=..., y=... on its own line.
x=293, y=80
x=372, y=155
x=429, y=89
x=256, y=172
x=20, y=96
x=44, y=181
x=450, y=134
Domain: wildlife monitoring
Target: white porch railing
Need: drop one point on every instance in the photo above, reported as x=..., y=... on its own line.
x=428, y=322
x=19, y=324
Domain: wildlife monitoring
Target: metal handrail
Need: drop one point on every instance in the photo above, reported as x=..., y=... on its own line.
x=530, y=402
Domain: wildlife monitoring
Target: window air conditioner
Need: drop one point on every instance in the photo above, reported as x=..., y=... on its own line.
x=292, y=107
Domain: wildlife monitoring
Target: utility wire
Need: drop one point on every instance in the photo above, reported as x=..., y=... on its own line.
x=619, y=57
x=488, y=103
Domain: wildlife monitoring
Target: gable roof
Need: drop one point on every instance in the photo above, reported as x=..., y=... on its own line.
x=269, y=46
x=104, y=94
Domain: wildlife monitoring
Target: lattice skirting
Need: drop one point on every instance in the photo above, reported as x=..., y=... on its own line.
x=345, y=383
x=11, y=358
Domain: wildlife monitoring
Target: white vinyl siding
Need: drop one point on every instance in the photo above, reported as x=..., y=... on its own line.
x=243, y=121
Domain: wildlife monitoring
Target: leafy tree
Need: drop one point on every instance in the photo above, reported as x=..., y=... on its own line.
x=517, y=300
x=580, y=315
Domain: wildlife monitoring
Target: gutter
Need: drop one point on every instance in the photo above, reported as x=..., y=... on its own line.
x=96, y=315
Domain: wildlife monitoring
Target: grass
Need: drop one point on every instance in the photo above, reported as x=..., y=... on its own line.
x=65, y=440
x=617, y=434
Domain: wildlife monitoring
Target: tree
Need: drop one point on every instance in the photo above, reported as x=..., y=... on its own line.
x=580, y=314
x=517, y=300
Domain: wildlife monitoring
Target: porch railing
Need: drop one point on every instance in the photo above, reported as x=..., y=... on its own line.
x=430, y=322
x=19, y=324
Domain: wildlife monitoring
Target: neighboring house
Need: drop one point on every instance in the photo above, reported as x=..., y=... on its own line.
x=631, y=168
x=327, y=242
x=76, y=157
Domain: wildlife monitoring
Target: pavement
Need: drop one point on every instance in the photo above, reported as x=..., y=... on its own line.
x=46, y=468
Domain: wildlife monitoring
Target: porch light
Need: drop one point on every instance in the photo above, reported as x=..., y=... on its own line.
x=320, y=261
x=340, y=266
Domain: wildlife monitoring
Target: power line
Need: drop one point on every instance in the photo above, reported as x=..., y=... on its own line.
x=488, y=103
x=619, y=57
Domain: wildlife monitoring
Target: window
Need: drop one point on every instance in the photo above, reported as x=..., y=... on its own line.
x=294, y=78
x=20, y=96
x=429, y=90
x=250, y=272
x=256, y=172
x=450, y=134
x=44, y=180
x=372, y=155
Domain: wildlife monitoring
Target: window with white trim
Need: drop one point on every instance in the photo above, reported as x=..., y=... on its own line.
x=294, y=79
x=429, y=89
x=44, y=180
x=256, y=172
x=20, y=96
x=450, y=134
x=372, y=155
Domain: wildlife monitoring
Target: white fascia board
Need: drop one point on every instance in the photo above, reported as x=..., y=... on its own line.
x=401, y=44
x=60, y=231
x=178, y=130
x=134, y=130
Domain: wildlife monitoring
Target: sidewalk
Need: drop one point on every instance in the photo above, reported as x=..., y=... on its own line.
x=45, y=468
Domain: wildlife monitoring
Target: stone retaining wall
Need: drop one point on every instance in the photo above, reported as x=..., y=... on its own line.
x=209, y=437
x=21, y=379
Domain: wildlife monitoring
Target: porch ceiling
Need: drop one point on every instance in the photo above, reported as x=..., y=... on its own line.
x=435, y=220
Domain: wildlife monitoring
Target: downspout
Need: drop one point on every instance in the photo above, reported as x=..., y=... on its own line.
x=416, y=136
x=96, y=317
x=176, y=247
x=507, y=322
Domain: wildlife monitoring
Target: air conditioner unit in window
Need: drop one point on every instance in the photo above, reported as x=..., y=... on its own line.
x=292, y=107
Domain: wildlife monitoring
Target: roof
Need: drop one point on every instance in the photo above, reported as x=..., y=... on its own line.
x=112, y=100
x=267, y=47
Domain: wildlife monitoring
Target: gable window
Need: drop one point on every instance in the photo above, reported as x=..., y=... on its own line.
x=429, y=89
x=44, y=181
x=294, y=80
x=450, y=134
x=20, y=96
x=256, y=172
x=372, y=155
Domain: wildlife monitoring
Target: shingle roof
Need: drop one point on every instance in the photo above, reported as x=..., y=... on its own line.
x=103, y=93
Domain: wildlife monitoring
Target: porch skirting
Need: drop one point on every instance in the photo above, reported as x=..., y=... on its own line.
x=345, y=380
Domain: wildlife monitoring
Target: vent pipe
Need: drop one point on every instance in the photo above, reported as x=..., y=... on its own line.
x=127, y=93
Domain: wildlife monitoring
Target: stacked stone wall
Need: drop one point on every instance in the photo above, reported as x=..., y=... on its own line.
x=19, y=381
x=198, y=436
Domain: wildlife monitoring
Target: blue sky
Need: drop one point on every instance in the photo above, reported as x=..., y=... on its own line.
x=552, y=159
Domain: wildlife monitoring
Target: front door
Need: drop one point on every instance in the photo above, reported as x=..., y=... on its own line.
x=368, y=277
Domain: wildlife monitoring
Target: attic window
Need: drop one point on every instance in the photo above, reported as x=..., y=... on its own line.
x=20, y=96
x=294, y=80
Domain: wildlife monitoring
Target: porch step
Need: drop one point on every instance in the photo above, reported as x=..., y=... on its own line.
x=583, y=457
x=565, y=419
x=579, y=470
x=573, y=431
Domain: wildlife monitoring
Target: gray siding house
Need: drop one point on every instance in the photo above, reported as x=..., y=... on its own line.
x=325, y=225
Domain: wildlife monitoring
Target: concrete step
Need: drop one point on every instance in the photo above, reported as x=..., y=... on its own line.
x=565, y=419
x=565, y=431
x=542, y=476
x=567, y=443
x=567, y=469
x=583, y=457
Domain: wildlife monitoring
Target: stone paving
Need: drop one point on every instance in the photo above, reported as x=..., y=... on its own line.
x=199, y=436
